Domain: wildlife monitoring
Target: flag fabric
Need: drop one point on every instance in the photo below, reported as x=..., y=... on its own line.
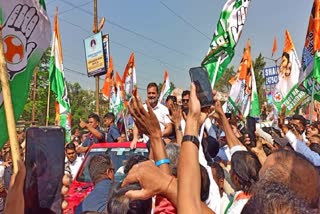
x=225, y=38
x=274, y=47
x=129, y=78
x=108, y=82
x=24, y=44
x=166, y=88
x=316, y=72
x=286, y=90
x=310, y=56
x=57, y=81
x=117, y=104
x=243, y=95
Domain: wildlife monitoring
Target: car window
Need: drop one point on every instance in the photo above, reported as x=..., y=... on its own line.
x=119, y=157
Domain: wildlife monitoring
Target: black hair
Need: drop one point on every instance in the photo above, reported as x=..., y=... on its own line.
x=71, y=146
x=94, y=116
x=205, y=184
x=300, y=118
x=315, y=147
x=98, y=165
x=272, y=197
x=153, y=84
x=133, y=160
x=109, y=115
x=245, y=165
x=213, y=146
x=286, y=55
x=171, y=97
x=118, y=203
x=185, y=93
x=219, y=170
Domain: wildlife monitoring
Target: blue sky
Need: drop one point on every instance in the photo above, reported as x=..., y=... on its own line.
x=163, y=41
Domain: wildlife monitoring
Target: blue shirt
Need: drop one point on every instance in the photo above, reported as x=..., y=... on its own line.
x=113, y=134
x=96, y=200
x=91, y=139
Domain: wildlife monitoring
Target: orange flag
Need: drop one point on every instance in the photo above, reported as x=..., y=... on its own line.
x=129, y=78
x=274, y=48
x=108, y=80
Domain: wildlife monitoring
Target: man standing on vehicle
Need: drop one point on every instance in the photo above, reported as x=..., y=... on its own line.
x=102, y=175
x=113, y=133
x=96, y=135
x=160, y=111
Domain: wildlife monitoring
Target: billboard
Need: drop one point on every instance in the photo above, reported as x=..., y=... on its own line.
x=271, y=75
x=106, y=50
x=95, y=59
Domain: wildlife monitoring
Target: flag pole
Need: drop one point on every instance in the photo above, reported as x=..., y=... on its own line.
x=48, y=105
x=215, y=73
x=312, y=102
x=11, y=124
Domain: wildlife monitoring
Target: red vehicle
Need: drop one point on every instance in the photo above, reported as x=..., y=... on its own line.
x=82, y=185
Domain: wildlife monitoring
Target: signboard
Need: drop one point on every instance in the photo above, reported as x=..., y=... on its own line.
x=271, y=75
x=106, y=50
x=94, y=55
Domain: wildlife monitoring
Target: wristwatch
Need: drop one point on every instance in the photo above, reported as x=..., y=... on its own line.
x=191, y=138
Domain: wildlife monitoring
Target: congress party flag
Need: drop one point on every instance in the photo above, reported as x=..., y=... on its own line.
x=117, y=105
x=57, y=81
x=274, y=47
x=310, y=75
x=26, y=36
x=108, y=81
x=129, y=78
x=166, y=88
x=287, y=91
x=243, y=95
x=225, y=38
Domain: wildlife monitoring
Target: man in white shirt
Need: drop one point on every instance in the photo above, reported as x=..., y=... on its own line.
x=160, y=111
x=73, y=161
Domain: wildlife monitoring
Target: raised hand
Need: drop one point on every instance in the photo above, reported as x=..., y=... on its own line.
x=146, y=121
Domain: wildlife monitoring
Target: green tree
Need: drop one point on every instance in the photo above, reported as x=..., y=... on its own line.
x=82, y=102
x=223, y=84
x=41, y=94
x=258, y=65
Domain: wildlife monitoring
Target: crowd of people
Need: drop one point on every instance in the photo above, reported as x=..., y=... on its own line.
x=201, y=160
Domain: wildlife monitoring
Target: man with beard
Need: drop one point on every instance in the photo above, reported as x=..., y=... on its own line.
x=160, y=111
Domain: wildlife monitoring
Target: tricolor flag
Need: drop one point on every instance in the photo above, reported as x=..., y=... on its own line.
x=26, y=35
x=243, y=94
x=58, y=83
x=274, y=47
x=129, y=78
x=225, y=38
x=309, y=77
x=117, y=104
x=316, y=72
x=108, y=82
x=286, y=90
x=166, y=89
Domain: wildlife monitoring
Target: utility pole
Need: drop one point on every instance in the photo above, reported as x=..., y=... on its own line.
x=97, y=29
x=34, y=94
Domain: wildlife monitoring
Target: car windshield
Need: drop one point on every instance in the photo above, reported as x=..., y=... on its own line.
x=119, y=157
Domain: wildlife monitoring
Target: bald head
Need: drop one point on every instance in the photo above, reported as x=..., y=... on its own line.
x=294, y=171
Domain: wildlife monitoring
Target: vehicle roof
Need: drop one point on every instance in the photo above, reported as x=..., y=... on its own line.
x=117, y=145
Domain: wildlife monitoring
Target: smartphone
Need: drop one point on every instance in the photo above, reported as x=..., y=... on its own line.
x=200, y=77
x=44, y=162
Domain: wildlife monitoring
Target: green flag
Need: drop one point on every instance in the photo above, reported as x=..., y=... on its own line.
x=26, y=35
x=57, y=82
x=225, y=38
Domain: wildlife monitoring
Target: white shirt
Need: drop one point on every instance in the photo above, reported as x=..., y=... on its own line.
x=224, y=203
x=74, y=166
x=161, y=113
x=238, y=203
x=303, y=149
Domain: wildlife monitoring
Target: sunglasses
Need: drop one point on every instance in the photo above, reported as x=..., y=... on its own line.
x=185, y=100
